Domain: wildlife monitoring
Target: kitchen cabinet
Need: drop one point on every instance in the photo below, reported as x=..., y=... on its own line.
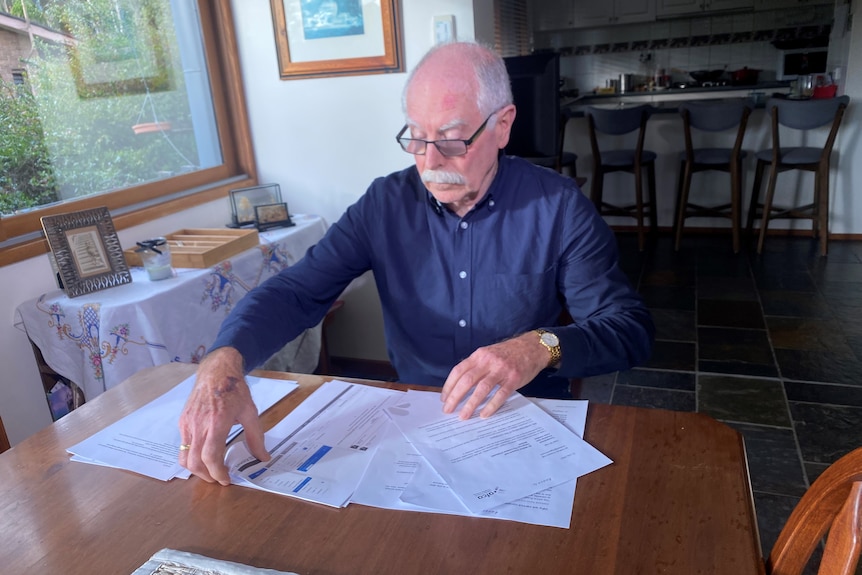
x=589, y=13
x=676, y=7
x=784, y=4
x=553, y=15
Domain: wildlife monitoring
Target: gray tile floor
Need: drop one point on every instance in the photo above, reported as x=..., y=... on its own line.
x=769, y=344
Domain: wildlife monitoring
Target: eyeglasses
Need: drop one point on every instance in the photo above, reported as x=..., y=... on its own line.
x=448, y=148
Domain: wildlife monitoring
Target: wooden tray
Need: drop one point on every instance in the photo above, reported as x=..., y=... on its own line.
x=202, y=247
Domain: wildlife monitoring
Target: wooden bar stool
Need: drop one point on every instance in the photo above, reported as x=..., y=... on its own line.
x=715, y=116
x=800, y=115
x=619, y=122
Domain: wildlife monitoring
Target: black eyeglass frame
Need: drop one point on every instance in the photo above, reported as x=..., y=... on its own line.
x=404, y=142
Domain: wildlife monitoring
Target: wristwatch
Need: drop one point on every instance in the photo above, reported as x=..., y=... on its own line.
x=552, y=344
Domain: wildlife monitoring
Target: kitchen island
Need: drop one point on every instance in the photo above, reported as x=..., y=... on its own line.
x=665, y=137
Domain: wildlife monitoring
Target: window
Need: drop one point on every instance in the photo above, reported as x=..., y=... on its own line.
x=511, y=30
x=135, y=105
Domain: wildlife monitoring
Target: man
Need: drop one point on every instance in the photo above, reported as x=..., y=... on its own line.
x=474, y=254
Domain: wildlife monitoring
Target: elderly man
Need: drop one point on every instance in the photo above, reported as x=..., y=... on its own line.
x=475, y=255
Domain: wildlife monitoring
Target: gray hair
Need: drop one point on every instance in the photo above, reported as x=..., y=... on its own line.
x=495, y=90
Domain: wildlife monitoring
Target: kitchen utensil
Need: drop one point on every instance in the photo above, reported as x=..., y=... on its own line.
x=805, y=86
x=744, y=77
x=706, y=75
x=626, y=83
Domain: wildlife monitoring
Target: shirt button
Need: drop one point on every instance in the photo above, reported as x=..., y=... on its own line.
x=464, y=225
x=462, y=275
x=491, y=203
x=462, y=323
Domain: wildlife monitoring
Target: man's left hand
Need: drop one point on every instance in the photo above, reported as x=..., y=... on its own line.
x=510, y=364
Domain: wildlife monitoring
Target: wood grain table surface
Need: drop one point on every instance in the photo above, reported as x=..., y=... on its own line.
x=676, y=500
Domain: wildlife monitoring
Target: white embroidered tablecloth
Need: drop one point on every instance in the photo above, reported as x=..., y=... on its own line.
x=99, y=339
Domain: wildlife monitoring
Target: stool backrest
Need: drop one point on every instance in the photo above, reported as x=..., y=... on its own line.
x=618, y=121
x=806, y=114
x=716, y=115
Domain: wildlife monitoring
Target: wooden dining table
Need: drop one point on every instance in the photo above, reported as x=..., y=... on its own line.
x=676, y=499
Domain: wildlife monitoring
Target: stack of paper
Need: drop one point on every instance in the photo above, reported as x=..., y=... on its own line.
x=171, y=562
x=354, y=443
x=147, y=440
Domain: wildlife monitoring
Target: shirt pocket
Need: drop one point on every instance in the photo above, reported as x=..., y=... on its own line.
x=515, y=302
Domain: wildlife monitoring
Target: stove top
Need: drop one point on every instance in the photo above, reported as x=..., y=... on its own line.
x=693, y=84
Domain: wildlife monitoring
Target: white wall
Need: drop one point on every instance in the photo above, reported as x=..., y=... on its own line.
x=322, y=140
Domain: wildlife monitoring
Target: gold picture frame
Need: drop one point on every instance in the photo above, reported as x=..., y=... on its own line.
x=86, y=251
x=323, y=38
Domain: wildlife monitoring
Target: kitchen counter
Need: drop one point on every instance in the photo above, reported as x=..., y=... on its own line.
x=667, y=101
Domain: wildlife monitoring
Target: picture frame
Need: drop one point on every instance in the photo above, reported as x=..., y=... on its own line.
x=268, y=216
x=244, y=200
x=86, y=251
x=324, y=38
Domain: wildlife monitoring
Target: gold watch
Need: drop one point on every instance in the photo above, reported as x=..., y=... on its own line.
x=552, y=344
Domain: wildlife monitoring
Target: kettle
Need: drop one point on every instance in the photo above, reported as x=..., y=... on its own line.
x=626, y=83
x=804, y=86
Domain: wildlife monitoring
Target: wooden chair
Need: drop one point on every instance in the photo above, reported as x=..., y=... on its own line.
x=618, y=122
x=799, y=115
x=711, y=116
x=833, y=503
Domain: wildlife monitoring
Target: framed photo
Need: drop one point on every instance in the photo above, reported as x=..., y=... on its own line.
x=319, y=38
x=269, y=216
x=86, y=251
x=244, y=200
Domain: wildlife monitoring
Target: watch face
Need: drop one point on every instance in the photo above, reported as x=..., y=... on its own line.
x=550, y=339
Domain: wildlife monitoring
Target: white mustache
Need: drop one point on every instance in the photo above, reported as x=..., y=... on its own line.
x=442, y=177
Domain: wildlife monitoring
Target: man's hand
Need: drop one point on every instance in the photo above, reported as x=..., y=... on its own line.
x=219, y=399
x=511, y=364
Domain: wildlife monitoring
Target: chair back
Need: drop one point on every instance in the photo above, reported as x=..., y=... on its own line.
x=833, y=503
x=806, y=114
x=618, y=121
x=715, y=115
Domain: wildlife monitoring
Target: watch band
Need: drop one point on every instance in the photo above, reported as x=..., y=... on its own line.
x=552, y=344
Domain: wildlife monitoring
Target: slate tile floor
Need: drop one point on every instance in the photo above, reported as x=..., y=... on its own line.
x=769, y=344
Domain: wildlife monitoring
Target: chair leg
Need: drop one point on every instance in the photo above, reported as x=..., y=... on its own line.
x=735, y=200
x=767, y=206
x=596, y=188
x=823, y=206
x=683, y=203
x=653, y=211
x=755, y=197
x=639, y=206
x=676, y=206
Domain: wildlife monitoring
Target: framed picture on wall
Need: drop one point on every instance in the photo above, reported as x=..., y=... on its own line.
x=318, y=38
x=86, y=252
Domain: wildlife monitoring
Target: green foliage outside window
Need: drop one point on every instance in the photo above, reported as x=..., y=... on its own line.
x=58, y=142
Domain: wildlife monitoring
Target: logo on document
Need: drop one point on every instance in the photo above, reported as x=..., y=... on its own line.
x=487, y=493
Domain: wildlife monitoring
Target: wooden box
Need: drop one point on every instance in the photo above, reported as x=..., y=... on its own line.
x=202, y=247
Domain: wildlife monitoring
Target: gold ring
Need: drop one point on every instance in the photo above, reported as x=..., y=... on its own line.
x=185, y=447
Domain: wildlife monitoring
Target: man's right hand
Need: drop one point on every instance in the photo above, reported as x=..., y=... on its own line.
x=219, y=399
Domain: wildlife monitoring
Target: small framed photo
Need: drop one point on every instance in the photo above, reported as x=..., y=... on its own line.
x=86, y=251
x=272, y=216
x=244, y=200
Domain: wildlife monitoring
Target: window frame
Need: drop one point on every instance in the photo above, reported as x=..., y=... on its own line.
x=21, y=234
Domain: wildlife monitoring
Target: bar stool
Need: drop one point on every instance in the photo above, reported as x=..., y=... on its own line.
x=618, y=122
x=800, y=115
x=716, y=116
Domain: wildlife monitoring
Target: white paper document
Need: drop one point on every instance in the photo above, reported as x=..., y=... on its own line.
x=518, y=452
x=321, y=449
x=147, y=440
x=397, y=466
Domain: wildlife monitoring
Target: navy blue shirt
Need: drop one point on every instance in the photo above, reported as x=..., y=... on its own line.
x=448, y=285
